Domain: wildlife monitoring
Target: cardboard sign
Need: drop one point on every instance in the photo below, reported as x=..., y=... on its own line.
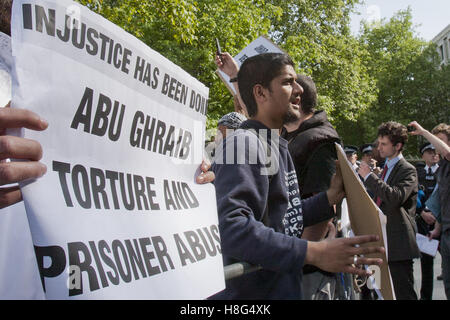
x=366, y=219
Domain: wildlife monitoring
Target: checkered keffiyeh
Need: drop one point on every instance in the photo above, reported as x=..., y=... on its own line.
x=232, y=120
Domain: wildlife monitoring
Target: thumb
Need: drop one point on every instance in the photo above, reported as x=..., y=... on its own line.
x=338, y=168
x=331, y=231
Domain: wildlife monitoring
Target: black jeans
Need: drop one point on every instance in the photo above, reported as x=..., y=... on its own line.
x=426, y=263
x=402, y=273
x=427, y=266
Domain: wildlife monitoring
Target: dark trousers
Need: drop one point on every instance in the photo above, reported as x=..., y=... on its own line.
x=445, y=253
x=403, y=279
x=427, y=266
x=426, y=263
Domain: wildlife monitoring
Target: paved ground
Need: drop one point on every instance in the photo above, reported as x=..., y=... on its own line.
x=438, y=286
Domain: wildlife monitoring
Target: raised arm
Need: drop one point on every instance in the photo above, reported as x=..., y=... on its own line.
x=226, y=63
x=441, y=147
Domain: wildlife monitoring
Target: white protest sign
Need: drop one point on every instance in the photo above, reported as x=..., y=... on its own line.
x=257, y=46
x=19, y=276
x=5, y=63
x=118, y=214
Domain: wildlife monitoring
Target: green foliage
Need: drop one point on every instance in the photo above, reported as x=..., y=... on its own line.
x=174, y=17
x=316, y=34
x=184, y=31
x=411, y=84
x=387, y=73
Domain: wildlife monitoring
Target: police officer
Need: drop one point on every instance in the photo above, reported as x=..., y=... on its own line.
x=367, y=155
x=352, y=156
x=424, y=218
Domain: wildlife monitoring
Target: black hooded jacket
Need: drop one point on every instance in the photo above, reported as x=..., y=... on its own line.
x=313, y=152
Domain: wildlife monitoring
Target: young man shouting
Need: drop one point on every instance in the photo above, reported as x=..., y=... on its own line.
x=261, y=215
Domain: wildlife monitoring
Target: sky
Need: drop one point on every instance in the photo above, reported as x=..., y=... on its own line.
x=431, y=16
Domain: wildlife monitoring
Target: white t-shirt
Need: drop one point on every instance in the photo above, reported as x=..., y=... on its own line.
x=19, y=274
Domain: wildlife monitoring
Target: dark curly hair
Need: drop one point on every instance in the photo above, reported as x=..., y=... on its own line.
x=396, y=132
x=5, y=16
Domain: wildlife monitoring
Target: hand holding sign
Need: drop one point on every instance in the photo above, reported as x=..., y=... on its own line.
x=338, y=255
x=18, y=148
x=205, y=175
x=226, y=63
x=31, y=150
x=122, y=156
x=336, y=192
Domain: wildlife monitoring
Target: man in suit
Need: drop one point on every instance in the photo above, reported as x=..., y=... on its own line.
x=395, y=192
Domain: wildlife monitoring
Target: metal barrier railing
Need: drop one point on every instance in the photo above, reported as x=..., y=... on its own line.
x=238, y=269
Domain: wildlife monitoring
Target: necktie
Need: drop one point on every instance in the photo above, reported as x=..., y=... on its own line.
x=429, y=173
x=383, y=174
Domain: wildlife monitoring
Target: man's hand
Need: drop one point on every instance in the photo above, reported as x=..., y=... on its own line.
x=436, y=232
x=205, y=175
x=338, y=255
x=227, y=64
x=364, y=169
x=29, y=151
x=442, y=147
x=428, y=217
x=331, y=230
x=377, y=171
x=419, y=130
x=336, y=192
x=373, y=163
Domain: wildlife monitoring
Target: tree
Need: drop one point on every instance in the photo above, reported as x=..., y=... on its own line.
x=387, y=73
x=411, y=84
x=184, y=31
x=315, y=33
